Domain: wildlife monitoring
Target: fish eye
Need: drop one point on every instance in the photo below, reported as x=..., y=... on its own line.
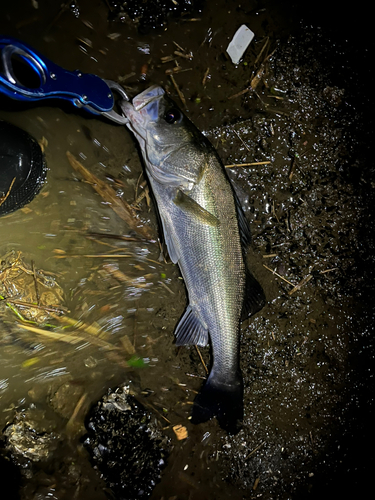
x=173, y=115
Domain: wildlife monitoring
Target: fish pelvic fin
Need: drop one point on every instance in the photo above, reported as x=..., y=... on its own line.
x=220, y=400
x=190, y=330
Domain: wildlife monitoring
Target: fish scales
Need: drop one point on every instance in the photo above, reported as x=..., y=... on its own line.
x=211, y=260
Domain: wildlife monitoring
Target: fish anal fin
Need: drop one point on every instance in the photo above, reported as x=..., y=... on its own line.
x=254, y=299
x=190, y=330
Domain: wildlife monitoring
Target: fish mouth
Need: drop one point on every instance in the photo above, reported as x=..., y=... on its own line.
x=147, y=96
x=143, y=109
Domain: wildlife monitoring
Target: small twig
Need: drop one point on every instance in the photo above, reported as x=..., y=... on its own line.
x=255, y=450
x=182, y=54
x=292, y=168
x=122, y=79
x=179, y=46
x=328, y=270
x=305, y=280
x=144, y=194
x=166, y=59
x=202, y=360
x=205, y=76
x=137, y=185
x=53, y=309
x=167, y=287
x=256, y=482
x=274, y=211
x=248, y=164
x=177, y=69
x=262, y=50
x=244, y=91
x=92, y=256
x=114, y=271
x=64, y=337
x=3, y=198
x=35, y=282
x=257, y=78
x=79, y=325
x=158, y=412
x=240, y=138
x=72, y=421
x=180, y=94
x=195, y=376
x=112, y=236
x=278, y=275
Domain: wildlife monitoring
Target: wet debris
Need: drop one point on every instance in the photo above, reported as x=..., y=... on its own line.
x=30, y=437
x=32, y=294
x=126, y=444
x=36, y=447
x=180, y=431
x=120, y=206
x=151, y=15
x=31, y=302
x=239, y=43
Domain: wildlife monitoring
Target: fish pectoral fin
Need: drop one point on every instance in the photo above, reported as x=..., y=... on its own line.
x=254, y=297
x=190, y=330
x=191, y=207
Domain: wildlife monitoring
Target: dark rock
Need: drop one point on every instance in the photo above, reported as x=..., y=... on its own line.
x=126, y=444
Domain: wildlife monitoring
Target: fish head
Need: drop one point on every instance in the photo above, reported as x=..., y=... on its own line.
x=168, y=140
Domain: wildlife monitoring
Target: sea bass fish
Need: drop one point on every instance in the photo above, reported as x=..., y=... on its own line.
x=206, y=234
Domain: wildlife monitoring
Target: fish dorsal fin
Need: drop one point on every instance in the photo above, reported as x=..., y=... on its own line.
x=243, y=225
x=254, y=299
x=190, y=330
x=191, y=207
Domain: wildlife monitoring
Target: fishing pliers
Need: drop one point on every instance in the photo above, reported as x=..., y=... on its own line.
x=26, y=75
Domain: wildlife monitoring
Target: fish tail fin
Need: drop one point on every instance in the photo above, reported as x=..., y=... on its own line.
x=221, y=400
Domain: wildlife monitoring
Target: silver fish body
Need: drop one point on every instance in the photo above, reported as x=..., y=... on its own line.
x=205, y=231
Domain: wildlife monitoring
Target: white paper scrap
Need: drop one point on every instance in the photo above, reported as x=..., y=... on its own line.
x=239, y=43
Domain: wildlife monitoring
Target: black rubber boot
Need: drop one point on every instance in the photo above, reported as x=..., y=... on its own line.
x=22, y=168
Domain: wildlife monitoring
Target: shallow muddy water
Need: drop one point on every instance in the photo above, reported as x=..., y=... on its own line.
x=307, y=357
